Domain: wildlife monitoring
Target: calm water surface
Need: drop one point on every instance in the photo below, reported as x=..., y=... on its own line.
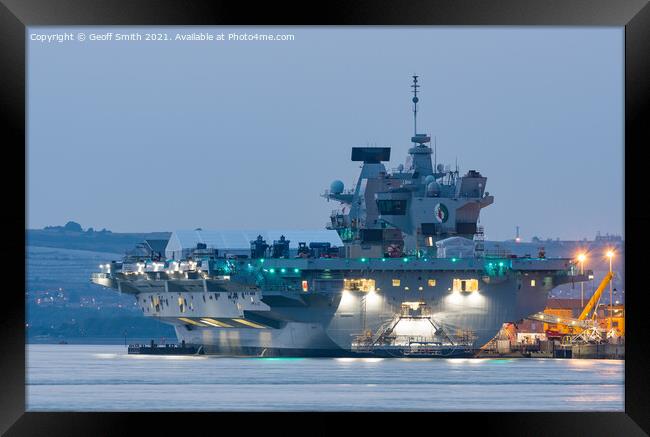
x=105, y=378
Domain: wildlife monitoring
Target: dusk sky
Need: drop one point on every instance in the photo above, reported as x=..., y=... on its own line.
x=138, y=136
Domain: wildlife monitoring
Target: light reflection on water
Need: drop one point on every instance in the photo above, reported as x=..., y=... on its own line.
x=106, y=378
x=149, y=357
x=271, y=358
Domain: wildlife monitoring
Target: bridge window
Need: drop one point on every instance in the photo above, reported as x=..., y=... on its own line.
x=465, y=285
x=432, y=282
x=532, y=282
x=391, y=207
x=396, y=282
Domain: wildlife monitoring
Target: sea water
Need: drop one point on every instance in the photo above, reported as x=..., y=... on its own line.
x=106, y=378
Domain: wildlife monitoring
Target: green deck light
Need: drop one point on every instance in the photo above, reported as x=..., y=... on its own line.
x=283, y=270
x=500, y=264
x=383, y=259
x=453, y=260
x=272, y=270
x=405, y=259
x=363, y=260
x=261, y=260
x=296, y=270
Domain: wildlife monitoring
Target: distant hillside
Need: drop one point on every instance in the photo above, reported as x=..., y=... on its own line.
x=71, y=236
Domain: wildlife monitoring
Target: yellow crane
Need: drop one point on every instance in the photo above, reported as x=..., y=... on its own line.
x=596, y=297
x=591, y=333
x=586, y=329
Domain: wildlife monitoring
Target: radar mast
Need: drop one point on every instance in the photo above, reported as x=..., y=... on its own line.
x=415, y=100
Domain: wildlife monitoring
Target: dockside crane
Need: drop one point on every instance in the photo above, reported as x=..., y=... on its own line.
x=591, y=304
x=582, y=329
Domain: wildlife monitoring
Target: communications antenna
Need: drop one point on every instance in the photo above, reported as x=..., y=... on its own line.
x=415, y=99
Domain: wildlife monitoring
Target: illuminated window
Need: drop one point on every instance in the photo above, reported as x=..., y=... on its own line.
x=305, y=286
x=465, y=285
x=532, y=282
x=359, y=284
x=430, y=241
x=396, y=282
x=181, y=307
x=432, y=282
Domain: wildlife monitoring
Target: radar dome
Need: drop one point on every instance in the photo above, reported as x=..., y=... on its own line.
x=336, y=187
x=440, y=168
x=433, y=188
x=429, y=179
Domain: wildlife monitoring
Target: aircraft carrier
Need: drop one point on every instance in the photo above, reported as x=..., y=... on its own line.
x=410, y=277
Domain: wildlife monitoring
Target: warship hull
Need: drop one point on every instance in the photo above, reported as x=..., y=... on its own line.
x=327, y=317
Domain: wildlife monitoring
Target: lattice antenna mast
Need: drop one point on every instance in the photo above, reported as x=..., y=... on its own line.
x=415, y=87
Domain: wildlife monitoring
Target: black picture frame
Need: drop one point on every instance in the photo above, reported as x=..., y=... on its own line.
x=16, y=15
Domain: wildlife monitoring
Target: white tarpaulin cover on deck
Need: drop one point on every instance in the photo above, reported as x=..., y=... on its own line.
x=238, y=242
x=455, y=247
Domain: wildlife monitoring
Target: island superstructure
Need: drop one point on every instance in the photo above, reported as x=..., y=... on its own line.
x=410, y=276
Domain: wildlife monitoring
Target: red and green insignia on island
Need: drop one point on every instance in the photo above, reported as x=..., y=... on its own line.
x=441, y=213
